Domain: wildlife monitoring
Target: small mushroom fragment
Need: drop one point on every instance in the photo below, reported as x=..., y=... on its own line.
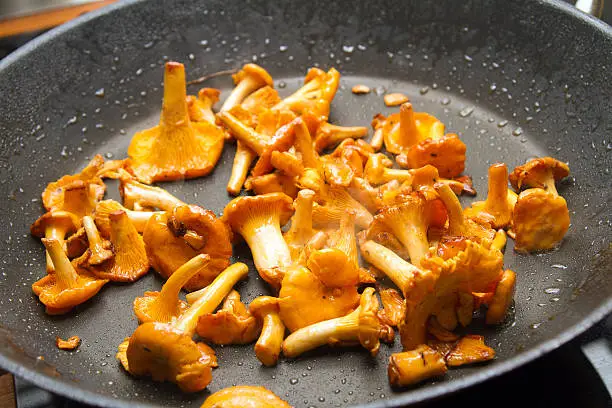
x=268, y=346
x=54, y=225
x=176, y=148
x=67, y=287
x=360, y=89
x=499, y=305
x=411, y=367
x=243, y=396
x=361, y=325
x=70, y=344
x=469, y=349
x=232, y=324
x=167, y=352
x=393, y=307
x=165, y=305
x=53, y=196
x=395, y=99
x=129, y=262
x=173, y=238
x=258, y=220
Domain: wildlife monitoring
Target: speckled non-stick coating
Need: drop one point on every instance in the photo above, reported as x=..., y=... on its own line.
x=514, y=79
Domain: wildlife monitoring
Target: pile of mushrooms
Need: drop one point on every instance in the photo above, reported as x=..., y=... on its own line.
x=326, y=215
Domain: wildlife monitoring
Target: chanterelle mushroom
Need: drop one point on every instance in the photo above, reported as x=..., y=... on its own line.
x=258, y=220
x=201, y=108
x=136, y=194
x=177, y=148
x=165, y=305
x=305, y=300
x=67, y=287
x=53, y=196
x=173, y=238
x=232, y=324
x=268, y=346
x=541, y=217
x=167, y=352
x=129, y=262
x=361, y=325
x=54, y=225
x=106, y=207
x=243, y=396
x=496, y=210
x=250, y=78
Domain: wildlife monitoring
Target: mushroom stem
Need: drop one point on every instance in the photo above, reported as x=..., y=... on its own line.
x=499, y=240
x=456, y=218
x=398, y=270
x=166, y=303
x=245, y=87
x=268, y=346
x=134, y=193
x=304, y=145
x=549, y=183
x=59, y=234
x=301, y=230
x=408, y=132
x=65, y=274
x=267, y=245
x=211, y=298
x=242, y=161
x=244, y=133
x=497, y=197
x=354, y=327
x=99, y=252
x=329, y=135
x=377, y=139
x=174, y=108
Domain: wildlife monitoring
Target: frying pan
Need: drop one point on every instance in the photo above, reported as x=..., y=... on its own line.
x=515, y=79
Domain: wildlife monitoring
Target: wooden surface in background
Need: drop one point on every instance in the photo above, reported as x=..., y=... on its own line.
x=7, y=390
x=46, y=19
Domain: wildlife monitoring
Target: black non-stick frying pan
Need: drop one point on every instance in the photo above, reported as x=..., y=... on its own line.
x=515, y=79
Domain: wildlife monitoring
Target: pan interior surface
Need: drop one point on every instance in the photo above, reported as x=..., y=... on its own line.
x=493, y=72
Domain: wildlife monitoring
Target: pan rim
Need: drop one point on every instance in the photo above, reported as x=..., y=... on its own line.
x=72, y=390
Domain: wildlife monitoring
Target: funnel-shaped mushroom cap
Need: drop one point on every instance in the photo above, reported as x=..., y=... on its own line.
x=540, y=173
x=53, y=196
x=171, y=239
x=176, y=148
x=244, y=396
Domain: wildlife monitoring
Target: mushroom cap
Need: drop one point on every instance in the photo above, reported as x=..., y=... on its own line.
x=333, y=268
x=77, y=244
x=144, y=311
x=261, y=100
x=253, y=71
x=53, y=195
x=130, y=262
x=446, y=153
x=333, y=203
x=55, y=219
x=166, y=354
x=59, y=300
x=209, y=94
x=241, y=209
x=244, y=396
x=79, y=198
x=535, y=172
x=263, y=305
x=393, y=307
x=540, y=220
x=273, y=183
x=233, y=324
x=304, y=300
x=167, y=248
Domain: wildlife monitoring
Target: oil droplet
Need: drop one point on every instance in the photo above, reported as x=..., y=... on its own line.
x=536, y=325
x=424, y=90
x=558, y=266
x=380, y=90
x=445, y=101
x=517, y=132
x=502, y=124
x=348, y=49
x=552, y=291
x=337, y=391
x=283, y=48
x=467, y=111
x=293, y=381
x=100, y=93
x=321, y=399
